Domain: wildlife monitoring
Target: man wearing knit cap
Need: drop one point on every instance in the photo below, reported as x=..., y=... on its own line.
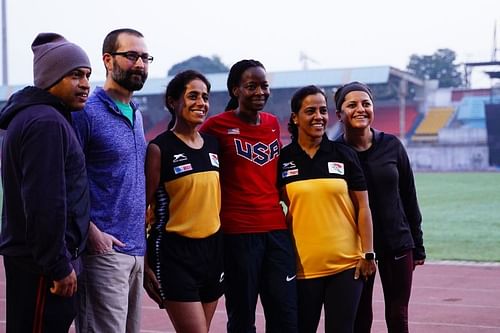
x=112, y=135
x=46, y=201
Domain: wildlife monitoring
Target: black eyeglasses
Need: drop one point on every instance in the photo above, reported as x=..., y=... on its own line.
x=133, y=56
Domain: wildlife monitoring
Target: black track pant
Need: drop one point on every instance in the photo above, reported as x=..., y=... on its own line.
x=31, y=307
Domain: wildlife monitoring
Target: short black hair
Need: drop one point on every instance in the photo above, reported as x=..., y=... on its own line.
x=110, y=41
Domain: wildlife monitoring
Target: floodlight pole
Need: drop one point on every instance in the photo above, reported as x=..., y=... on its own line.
x=5, y=74
x=403, y=86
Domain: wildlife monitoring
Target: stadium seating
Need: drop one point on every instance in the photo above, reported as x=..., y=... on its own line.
x=158, y=128
x=387, y=118
x=471, y=111
x=434, y=120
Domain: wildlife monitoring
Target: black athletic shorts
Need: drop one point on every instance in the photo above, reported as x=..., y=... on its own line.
x=188, y=269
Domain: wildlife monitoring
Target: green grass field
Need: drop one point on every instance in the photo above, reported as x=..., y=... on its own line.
x=461, y=215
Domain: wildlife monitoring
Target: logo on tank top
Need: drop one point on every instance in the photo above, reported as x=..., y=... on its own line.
x=288, y=165
x=259, y=153
x=183, y=168
x=179, y=158
x=336, y=168
x=289, y=169
x=214, y=159
x=290, y=173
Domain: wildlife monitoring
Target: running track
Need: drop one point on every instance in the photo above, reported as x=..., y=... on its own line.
x=446, y=298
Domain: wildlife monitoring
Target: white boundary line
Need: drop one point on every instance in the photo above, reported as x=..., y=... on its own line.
x=464, y=263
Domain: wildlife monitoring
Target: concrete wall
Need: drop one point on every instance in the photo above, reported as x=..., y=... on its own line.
x=449, y=157
x=463, y=136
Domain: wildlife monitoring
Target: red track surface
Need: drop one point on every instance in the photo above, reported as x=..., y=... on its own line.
x=446, y=298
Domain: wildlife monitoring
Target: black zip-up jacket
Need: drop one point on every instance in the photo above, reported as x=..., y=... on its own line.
x=45, y=216
x=393, y=199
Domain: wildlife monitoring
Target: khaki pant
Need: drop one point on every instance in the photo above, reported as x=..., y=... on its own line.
x=109, y=293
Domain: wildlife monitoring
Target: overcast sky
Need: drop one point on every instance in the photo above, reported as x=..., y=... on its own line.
x=335, y=34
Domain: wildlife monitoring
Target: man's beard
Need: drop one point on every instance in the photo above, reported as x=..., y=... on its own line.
x=128, y=79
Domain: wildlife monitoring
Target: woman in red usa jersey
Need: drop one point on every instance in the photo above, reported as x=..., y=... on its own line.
x=393, y=201
x=184, y=267
x=329, y=216
x=258, y=253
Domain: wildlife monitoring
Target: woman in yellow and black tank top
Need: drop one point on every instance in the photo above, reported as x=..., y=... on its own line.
x=329, y=217
x=184, y=267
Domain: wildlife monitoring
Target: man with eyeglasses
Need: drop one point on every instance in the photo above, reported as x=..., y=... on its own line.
x=111, y=133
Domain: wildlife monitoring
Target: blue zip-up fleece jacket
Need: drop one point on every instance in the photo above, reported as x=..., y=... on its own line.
x=115, y=153
x=45, y=216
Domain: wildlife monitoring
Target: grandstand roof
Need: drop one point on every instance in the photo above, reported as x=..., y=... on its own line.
x=300, y=78
x=492, y=74
x=286, y=79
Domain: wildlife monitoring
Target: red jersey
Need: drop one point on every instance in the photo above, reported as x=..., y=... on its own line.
x=248, y=168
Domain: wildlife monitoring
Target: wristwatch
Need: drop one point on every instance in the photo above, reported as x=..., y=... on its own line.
x=369, y=255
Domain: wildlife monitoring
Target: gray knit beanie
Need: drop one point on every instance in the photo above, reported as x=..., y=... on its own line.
x=54, y=57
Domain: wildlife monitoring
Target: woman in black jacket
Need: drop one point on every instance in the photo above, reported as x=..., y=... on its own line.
x=396, y=216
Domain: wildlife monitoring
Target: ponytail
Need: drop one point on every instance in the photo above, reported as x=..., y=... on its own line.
x=232, y=104
x=172, y=121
